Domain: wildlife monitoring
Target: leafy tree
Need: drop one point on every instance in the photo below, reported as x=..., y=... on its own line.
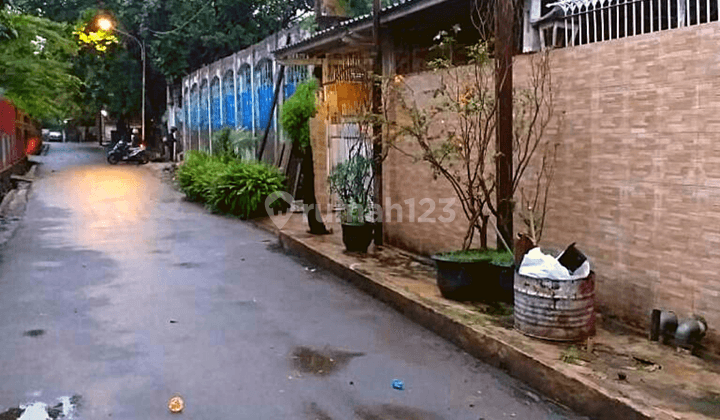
x=57, y=10
x=34, y=56
x=179, y=37
x=185, y=35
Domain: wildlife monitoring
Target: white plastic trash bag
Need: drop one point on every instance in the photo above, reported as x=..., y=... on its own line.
x=542, y=266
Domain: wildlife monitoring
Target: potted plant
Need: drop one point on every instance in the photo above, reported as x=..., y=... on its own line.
x=352, y=181
x=456, y=136
x=475, y=274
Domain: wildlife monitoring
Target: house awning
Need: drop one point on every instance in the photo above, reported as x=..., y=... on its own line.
x=354, y=32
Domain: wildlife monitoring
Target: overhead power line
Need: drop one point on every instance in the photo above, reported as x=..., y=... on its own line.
x=184, y=24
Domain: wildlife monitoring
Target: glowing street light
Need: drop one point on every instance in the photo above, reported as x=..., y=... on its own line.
x=104, y=23
x=108, y=25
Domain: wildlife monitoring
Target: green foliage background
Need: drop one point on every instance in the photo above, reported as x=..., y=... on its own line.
x=234, y=144
x=179, y=36
x=35, y=64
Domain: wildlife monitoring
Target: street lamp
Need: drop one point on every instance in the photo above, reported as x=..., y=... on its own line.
x=107, y=25
x=101, y=135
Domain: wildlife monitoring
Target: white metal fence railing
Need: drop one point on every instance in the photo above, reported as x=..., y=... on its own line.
x=579, y=22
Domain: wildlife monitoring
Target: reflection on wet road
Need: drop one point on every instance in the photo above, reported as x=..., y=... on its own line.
x=110, y=206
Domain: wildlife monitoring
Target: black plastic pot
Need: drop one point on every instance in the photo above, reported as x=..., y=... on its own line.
x=504, y=287
x=477, y=281
x=357, y=238
x=461, y=280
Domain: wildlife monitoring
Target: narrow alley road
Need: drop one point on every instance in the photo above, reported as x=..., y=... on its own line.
x=117, y=291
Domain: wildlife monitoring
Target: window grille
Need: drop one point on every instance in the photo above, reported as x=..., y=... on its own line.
x=568, y=23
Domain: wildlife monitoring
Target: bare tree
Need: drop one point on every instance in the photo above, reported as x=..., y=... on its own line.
x=456, y=132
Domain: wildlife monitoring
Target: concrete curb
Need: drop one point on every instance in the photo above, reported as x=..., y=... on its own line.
x=569, y=389
x=13, y=206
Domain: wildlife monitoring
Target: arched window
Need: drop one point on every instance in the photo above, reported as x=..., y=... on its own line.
x=244, y=97
x=204, y=129
x=228, y=88
x=263, y=93
x=194, y=112
x=185, y=119
x=215, y=116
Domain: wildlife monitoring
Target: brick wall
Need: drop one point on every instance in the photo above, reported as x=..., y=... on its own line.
x=638, y=179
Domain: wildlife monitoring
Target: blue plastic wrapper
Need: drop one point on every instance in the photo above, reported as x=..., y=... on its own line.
x=398, y=384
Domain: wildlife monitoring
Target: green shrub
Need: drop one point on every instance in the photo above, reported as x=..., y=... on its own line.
x=222, y=144
x=229, y=185
x=297, y=111
x=243, y=186
x=198, y=174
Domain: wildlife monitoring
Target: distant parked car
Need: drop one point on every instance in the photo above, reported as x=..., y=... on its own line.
x=55, y=136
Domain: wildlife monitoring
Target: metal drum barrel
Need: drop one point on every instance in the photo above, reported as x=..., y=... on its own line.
x=561, y=310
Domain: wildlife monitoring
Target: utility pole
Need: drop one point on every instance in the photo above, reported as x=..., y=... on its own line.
x=504, y=48
x=377, y=135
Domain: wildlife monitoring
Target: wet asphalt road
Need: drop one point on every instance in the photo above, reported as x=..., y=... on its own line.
x=135, y=295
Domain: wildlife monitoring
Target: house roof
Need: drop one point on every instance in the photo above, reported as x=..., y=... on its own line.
x=394, y=11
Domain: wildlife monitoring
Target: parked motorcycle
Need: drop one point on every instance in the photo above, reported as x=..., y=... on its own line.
x=123, y=152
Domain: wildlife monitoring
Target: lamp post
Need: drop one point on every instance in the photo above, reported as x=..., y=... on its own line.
x=106, y=25
x=101, y=134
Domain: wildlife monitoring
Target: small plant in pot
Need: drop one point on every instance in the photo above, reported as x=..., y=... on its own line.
x=352, y=182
